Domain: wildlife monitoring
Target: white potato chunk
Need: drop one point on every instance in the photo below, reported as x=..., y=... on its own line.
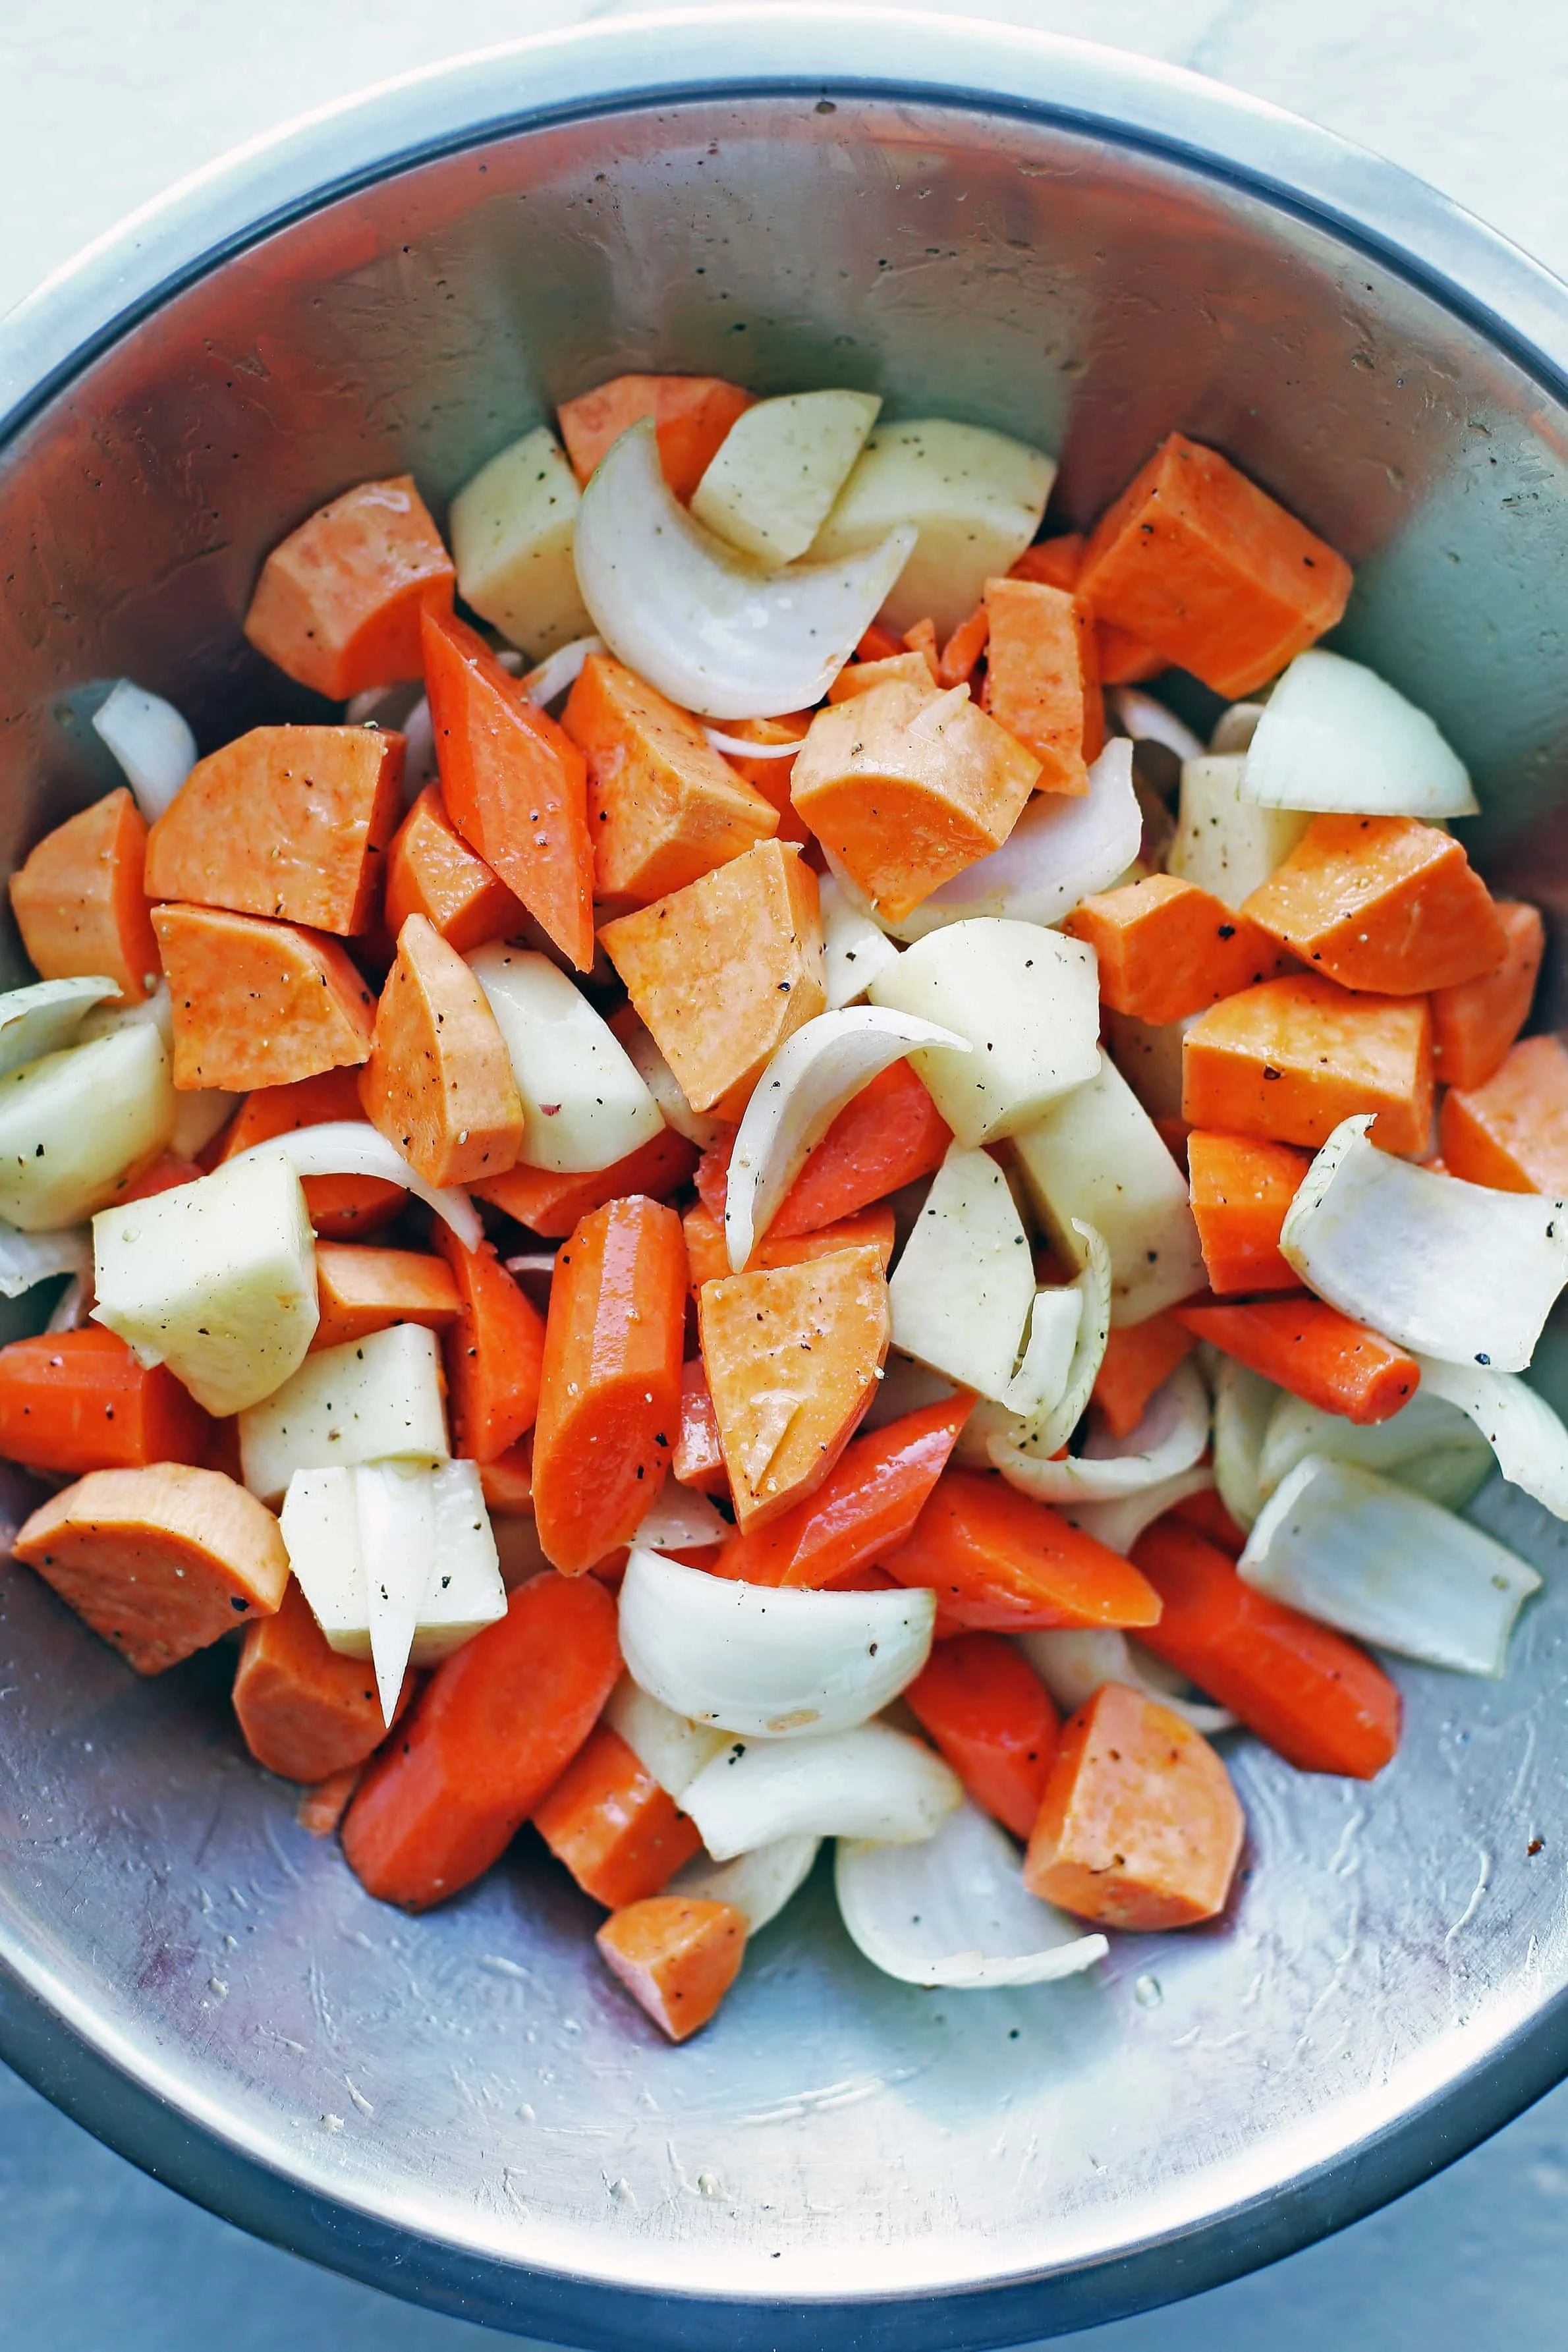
x=320, y=1520
x=512, y=530
x=375, y=1400
x=1334, y=735
x=853, y=950
x=780, y=467
x=216, y=1279
x=975, y=497
x=1028, y=1002
x=585, y=1106
x=1224, y=843
x=963, y=1290
x=74, y=1124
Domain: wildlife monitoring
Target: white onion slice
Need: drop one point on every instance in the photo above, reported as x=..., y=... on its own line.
x=666, y=1088
x=1243, y=1402
x=1358, y=1552
x=1148, y=720
x=1443, y=1267
x=44, y=1016
x=1335, y=736
x=1422, y=1426
x=769, y=1663
x=1235, y=729
x=1530, y=1442
x=1040, y=1382
x=799, y=1094
x=1118, y=1524
x=200, y=1112
x=1031, y=1441
x=953, y=1910
x=1171, y=1437
x=151, y=741
x=757, y=1884
x=715, y=633
x=551, y=677
x=670, y=1747
x=73, y=1308
x=29, y=1258
x=871, y=1782
x=853, y=950
x=681, y=1521
x=1076, y=1662
x=352, y=1147
x=735, y=747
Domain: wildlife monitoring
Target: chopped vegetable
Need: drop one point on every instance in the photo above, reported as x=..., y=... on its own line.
x=339, y=1206
x=697, y=1460
x=670, y=1746
x=953, y=1911
x=854, y=948
x=678, y=1958
x=80, y=903
x=76, y=1124
x=870, y=1783
x=361, y=1290
x=1403, y=1448
x=1241, y=1192
x=1332, y=735
x=1475, y=1023
x=306, y=1712
x=1042, y=678
x=80, y=1401
x=1224, y=843
x=1172, y=1437
x=352, y=1147
x=1287, y=1061
x=431, y=871
x=46, y=1017
x=708, y=1259
x=1529, y=1440
x=512, y=526
x=1309, y=1348
x=612, y=1825
x=692, y=417
x=964, y=1286
x=1139, y=1359
x=890, y=1135
x=153, y=743
x=1074, y=1664
x=439, y=1084
x=757, y=1884
x=1165, y=949
x=1511, y=1132
x=373, y=1399
x=493, y=1352
x=768, y=487
x=338, y=601
x=553, y=1205
x=1001, y=1563
x=989, y=1713
x=1382, y=903
x=584, y=1105
x=259, y=1004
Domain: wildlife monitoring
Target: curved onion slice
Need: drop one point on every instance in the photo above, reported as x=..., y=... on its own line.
x=1118, y=1524
x=1171, y=1437
x=798, y=1096
x=871, y=1782
x=1386, y=1565
x=1032, y=1442
x=853, y=949
x=953, y=1911
x=681, y=1521
x=552, y=675
x=670, y=1747
x=1334, y=735
x=1243, y=1402
x=965, y=1288
x=758, y=1884
x=44, y=1017
x=712, y=631
x=1074, y=1664
x=769, y=1663
x=735, y=747
x=1443, y=1267
x=664, y=1087
x=1148, y=720
x=29, y=1258
x=152, y=742
x=1423, y=1426
x=352, y=1147
x=1529, y=1441
x=1235, y=729
x=73, y=1308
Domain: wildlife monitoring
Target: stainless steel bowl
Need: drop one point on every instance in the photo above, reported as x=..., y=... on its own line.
x=1085, y=250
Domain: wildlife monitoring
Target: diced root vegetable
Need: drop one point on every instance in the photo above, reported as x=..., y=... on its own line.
x=1138, y=1359
x=512, y=525
x=584, y=1107
x=1165, y=949
x=1475, y=1023
x=338, y=601
x=75, y=1124
x=991, y=1717
x=80, y=903
x=1042, y=678
x=361, y=1290
x=1226, y=844
x=612, y=1825
x=1383, y=904
x=692, y=417
x=1309, y=1348
x=493, y=1353
x=431, y=871
x=438, y=1084
x=374, y=1400
x=676, y=1957
x=965, y=1283
x=1511, y=1132
x=553, y=1205
x=769, y=486
x=306, y=1712
x=80, y=1401
x=259, y=1004
x=1241, y=1193
x=999, y=1562
x=890, y=1135
x=866, y=1504
x=1287, y=1061
x=758, y=1885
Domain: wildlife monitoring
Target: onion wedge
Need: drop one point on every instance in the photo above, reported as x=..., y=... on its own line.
x=1335, y=736
x=871, y=1782
x=1437, y=1266
x=1148, y=720
x=681, y=1520
x=1030, y=1442
x=854, y=950
x=1171, y=1437
x=757, y=1884
x=45, y=1017
x=1529, y=1442
x=964, y=1289
x=1424, y=1426
x=153, y=743
x=670, y=1747
x=717, y=633
x=27, y=1259
x=1235, y=729
x=664, y=1086
x=1118, y=1524
x=1074, y=1664
x=1243, y=1402
x=352, y=1147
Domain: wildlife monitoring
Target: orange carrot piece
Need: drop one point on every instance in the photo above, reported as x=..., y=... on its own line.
x=494, y=1730
x=80, y=1401
x=167, y=1174
x=1001, y=1563
x=878, y=645
x=772, y=777
x=1512, y=1132
x=1210, y=570
x=79, y=900
x=1287, y=1061
x=1166, y=949
x=1315, y=1351
x=708, y=1258
x=514, y=785
x=1055, y=562
x=258, y=1003
x=859, y=678
x=1316, y=1698
x=431, y=871
x=1476, y=1022
x=506, y=1483
x=1139, y=1826
x=1042, y=678
x=692, y=415
x=493, y=1351
x=364, y=1290
x=440, y=1083
x=339, y=1206
x=320, y=1809
x=1207, y=1514
x=1382, y=903
x=619, y=1834
x=609, y=1397
x=551, y=1205
x=992, y=1718
x=1241, y=1191
x=960, y=655
x=699, y=1458
x=1125, y=659
x=338, y=603
x=921, y=639
x=306, y=1712
x=1139, y=1359
x=676, y=1958
x=159, y=1560
x=889, y=1135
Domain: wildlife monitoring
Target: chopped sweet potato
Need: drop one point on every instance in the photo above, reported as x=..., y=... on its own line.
x=551, y=1205
x=364, y=1290
x=1476, y=1022
x=339, y=1206
x=1287, y=1061
x=440, y=1083
x=431, y=871
x=772, y=777
x=677, y=1958
x=306, y=1712
x=857, y=677
x=80, y=1401
x=1166, y=949
x=337, y=605
x=792, y=1357
x=258, y=1003
x=1139, y=1359
x=160, y=1561
x=724, y=970
x=708, y=1257
x=1382, y=903
x=1512, y=1132
x=1056, y=563
x=1241, y=1192
x=1125, y=659
x=921, y=639
x=692, y=415
x=616, y=1831
x=1042, y=678
x=961, y=655
x=507, y=1486
x=699, y=1458
x=79, y=900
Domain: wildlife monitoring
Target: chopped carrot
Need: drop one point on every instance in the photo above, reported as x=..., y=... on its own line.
x=867, y=1506
x=677, y=1958
x=1139, y=1826
x=921, y=640
x=1139, y=1359
x=1512, y=1132
x=1165, y=949
x=494, y=1730
x=793, y=1356
x=305, y=1711
x=907, y=786
x=440, y=1083
x=1210, y=571
x=1000, y=1563
x=1241, y=1191
x=724, y=970
x=338, y=603
x=618, y=1831
x=514, y=785
x=699, y=1458
x=1042, y=678
x=1382, y=903
x=80, y=1401
x=364, y=1290
x=257, y=1003
x=903, y=668
x=79, y=900
x=1476, y=1022
x=889, y=1135
x=1287, y=1061
x=992, y=1718
x=1311, y=1693
x=772, y=777
x=1125, y=659
x=1054, y=563
x=961, y=654
x=692, y=415
x=292, y=822
x=1207, y=1514
x=878, y=645
x=338, y=1205
x=506, y=1483
x=431, y=871
x=159, y=1560
x=1315, y=1351
x=609, y=1397
x=708, y=1258
x=320, y=1809
x=551, y=1205
x=167, y=1174
x=493, y=1353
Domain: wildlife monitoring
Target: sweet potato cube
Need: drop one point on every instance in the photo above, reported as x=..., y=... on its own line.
x=792, y=1356
x=857, y=677
x=1210, y=571
x=907, y=786
x=1057, y=562
x=431, y=871
x=1242, y=1191
x=159, y=1560
x=339, y=1206
x=663, y=807
x=364, y=1290
x=337, y=605
x=553, y=1205
x=724, y=970
x=616, y=1831
x=292, y=822
x=258, y=1003
x=772, y=777
x=1382, y=903
x=692, y=415
x=440, y=1083
x=1288, y=1060
x=1512, y=1132
x=1042, y=678
x=1166, y=949
x=1139, y=1826
x=306, y=1711
x=80, y=903
x=677, y=1958
x=1476, y=1022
